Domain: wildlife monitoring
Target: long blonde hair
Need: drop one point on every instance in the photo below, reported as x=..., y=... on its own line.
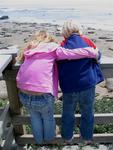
x=39, y=37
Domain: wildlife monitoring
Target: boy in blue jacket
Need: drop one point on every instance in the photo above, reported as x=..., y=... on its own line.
x=78, y=79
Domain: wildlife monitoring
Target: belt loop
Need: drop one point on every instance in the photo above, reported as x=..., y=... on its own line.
x=30, y=98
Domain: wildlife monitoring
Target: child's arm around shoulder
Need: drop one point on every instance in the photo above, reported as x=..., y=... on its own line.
x=79, y=53
x=91, y=44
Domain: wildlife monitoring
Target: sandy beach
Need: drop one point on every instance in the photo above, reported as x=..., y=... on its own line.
x=14, y=33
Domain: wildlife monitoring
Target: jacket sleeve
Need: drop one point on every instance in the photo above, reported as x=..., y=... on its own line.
x=79, y=53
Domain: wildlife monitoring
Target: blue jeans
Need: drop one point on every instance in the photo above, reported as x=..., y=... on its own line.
x=86, y=103
x=41, y=109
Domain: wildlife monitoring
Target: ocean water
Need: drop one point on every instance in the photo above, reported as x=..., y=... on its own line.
x=87, y=16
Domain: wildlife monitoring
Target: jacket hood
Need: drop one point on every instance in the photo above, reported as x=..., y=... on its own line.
x=42, y=48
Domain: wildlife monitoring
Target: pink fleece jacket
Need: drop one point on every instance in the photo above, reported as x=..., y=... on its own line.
x=38, y=73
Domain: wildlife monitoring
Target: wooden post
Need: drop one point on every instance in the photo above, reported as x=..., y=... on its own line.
x=15, y=106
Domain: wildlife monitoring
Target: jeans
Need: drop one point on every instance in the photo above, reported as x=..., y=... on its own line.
x=41, y=109
x=86, y=103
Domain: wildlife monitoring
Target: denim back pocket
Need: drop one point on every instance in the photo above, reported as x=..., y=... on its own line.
x=39, y=102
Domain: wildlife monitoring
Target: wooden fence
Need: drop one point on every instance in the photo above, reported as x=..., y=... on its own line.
x=12, y=118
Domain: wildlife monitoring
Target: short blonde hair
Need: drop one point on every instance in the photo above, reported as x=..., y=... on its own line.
x=39, y=37
x=69, y=27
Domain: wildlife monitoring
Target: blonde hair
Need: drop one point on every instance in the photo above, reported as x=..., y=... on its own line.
x=39, y=37
x=69, y=27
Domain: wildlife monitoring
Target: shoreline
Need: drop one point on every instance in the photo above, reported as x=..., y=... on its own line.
x=16, y=33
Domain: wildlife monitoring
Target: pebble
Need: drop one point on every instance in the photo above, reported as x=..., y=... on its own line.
x=73, y=147
x=109, y=84
x=111, y=49
x=3, y=90
x=104, y=37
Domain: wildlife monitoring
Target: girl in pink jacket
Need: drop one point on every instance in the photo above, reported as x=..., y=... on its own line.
x=37, y=80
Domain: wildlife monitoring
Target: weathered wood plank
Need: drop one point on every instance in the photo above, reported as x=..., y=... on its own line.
x=4, y=61
x=107, y=72
x=4, y=120
x=106, y=65
x=99, y=119
x=100, y=138
x=107, y=61
x=9, y=139
x=12, y=52
x=15, y=106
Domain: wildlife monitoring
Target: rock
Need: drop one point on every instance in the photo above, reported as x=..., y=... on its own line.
x=4, y=17
x=103, y=147
x=104, y=38
x=111, y=49
x=58, y=30
x=25, y=31
x=4, y=30
x=3, y=95
x=101, y=92
x=94, y=40
x=91, y=32
x=102, y=84
x=25, y=40
x=8, y=35
x=100, y=147
x=110, y=14
x=89, y=28
x=3, y=48
x=2, y=33
x=3, y=90
x=57, y=34
x=109, y=84
x=109, y=40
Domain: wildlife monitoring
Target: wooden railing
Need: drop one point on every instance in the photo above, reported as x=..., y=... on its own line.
x=6, y=129
x=12, y=116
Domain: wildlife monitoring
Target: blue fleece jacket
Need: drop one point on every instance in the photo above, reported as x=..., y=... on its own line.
x=78, y=75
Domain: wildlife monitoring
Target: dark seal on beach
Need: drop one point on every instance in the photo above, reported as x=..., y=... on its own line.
x=4, y=17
